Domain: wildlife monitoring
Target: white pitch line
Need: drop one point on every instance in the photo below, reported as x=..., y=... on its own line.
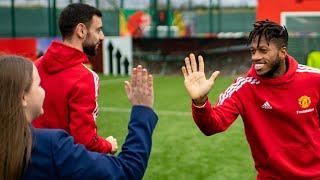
x=159, y=112
x=113, y=81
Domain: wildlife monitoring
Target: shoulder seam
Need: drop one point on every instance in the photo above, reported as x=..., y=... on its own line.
x=235, y=87
x=307, y=69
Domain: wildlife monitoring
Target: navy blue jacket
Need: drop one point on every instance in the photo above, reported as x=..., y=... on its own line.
x=55, y=156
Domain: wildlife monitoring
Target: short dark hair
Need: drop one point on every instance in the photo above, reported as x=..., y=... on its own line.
x=74, y=14
x=271, y=31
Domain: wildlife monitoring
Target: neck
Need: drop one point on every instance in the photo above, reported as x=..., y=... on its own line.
x=29, y=117
x=281, y=70
x=73, y=43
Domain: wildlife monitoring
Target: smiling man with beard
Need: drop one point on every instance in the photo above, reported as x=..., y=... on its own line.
x=278, y=100
x=71, y=88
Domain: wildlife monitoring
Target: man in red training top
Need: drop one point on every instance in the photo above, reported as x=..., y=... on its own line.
x=278, y=101
x=71, y=88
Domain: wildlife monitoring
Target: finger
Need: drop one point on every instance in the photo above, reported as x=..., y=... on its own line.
x=127, y=87
x=184, y=72
x=214, y=76
x=201, y=63
x=139, y=76
x=150, y=84
x=134, y=77
x=144, y=76
x=193, y=63
x=188, y=66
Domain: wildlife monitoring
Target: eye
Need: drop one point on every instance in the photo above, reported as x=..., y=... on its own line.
x=264, y=51
x=252, y=51
x=99, y=30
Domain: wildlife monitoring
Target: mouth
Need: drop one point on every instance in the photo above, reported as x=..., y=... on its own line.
x=258, y=66
x=97, y=45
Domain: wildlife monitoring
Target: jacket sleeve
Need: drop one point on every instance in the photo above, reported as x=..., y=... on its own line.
x=73, y=161
x=83, y=109
x=218, y=118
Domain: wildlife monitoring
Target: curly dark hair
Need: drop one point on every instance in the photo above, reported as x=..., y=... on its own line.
x=271, y=32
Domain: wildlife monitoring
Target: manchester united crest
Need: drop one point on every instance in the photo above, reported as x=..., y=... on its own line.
x=304, y=102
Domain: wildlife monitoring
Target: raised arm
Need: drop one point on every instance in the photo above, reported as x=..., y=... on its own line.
x=73, y=161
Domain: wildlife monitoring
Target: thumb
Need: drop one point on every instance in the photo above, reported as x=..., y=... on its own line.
x=127, y=87
x=214, y=76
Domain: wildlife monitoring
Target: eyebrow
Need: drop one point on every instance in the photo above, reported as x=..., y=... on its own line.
x=260, y=47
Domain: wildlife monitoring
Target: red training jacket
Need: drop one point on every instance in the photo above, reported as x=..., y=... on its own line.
x=71, y=96
x=281, y=120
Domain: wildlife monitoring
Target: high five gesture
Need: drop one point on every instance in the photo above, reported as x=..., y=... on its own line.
x=195, y=80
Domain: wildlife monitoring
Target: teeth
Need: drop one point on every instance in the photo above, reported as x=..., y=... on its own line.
x=258, y=66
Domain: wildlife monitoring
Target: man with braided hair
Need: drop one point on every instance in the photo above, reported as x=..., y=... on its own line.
x=278, y=101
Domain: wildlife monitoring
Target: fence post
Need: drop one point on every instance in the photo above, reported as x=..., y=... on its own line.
x=168, y=19
x=219, y=16
x=154, y=15
x=54, y=18
x=13, y=19
x=210, y=18
x=97, y=4
x=49, y=19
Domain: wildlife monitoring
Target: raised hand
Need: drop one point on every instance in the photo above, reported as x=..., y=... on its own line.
x=195, y=80
x=114, y=144
x=140, y=89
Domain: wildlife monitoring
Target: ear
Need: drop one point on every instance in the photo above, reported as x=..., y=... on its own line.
x=283, y=52
x=24, y=100
x=81, y=30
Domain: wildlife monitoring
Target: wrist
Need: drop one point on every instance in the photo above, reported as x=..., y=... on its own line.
x=200, y=101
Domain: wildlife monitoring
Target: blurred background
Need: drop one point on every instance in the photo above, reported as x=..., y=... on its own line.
x=159, y=34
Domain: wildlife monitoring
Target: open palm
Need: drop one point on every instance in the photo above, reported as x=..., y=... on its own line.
x=195, y=80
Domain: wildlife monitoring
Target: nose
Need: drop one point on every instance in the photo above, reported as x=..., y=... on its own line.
x=256, y=56
x=101, y=36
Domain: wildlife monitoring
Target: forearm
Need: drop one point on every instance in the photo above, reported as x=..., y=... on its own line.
x=202, y=116
x=137, y=147
x=211, y=120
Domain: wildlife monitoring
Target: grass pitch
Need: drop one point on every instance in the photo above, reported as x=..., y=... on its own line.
x=180, y=150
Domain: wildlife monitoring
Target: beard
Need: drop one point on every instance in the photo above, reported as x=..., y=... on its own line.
x=89, y=49
x=275, y=67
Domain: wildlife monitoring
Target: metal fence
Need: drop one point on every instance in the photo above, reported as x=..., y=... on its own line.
x=36, y=18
